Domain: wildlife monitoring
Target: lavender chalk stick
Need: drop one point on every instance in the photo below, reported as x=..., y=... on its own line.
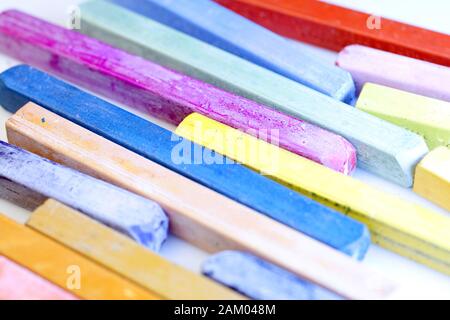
x=220, y=27
x=136, y=217
x=395, y=71
x=161, y=92
x=22, y=84
x=260, y=280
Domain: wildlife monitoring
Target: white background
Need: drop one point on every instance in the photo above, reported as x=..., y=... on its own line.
x=420, y=281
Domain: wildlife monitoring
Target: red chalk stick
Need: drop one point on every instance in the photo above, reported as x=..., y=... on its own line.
x=334, y=28
x=17, y=283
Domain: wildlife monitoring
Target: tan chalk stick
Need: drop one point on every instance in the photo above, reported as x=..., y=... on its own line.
x=122, y=255
x=197, y=214
x=433, y=177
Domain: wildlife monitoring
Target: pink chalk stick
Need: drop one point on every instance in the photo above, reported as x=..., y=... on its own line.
x=161, y=92
x=396, y=71
x=17, y=283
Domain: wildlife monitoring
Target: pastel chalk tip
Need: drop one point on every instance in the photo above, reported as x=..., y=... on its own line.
x=261, y=280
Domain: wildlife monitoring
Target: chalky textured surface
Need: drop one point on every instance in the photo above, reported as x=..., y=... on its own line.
x=395, y=71
x=139, y=218
x=18, y=283
x=335, y=27
x=22, y=84
x=158, y=91
x=382, y=148
x=260, y=280
x=425, y=116
x=231, y=32
x=406, y=228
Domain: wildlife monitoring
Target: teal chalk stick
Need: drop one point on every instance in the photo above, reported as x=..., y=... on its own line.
x=383, y=148
x=221, y=27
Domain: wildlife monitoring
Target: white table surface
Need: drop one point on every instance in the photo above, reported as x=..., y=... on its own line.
x=419, y=280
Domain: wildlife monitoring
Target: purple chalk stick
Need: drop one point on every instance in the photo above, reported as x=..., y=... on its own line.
x=161, y=92
x=395, y=71
x=28, y=179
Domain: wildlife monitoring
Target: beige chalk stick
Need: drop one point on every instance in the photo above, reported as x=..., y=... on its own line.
x=197, y=214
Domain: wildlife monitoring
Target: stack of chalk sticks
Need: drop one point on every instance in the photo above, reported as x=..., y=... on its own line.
x=253, y=164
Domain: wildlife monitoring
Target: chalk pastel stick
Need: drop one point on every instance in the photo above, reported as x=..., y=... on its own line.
x=335, y=27
x=197, y=214
x=405, y=228
x=425, y=116
x=433, y=177
x=120, y=254
x=21, y=84
x=395, y=71
x=231, y=32
x=63, y=267
x=18, y=283
x=382, y=148
x=162, y=92
x=138, y=218
x=259, y=279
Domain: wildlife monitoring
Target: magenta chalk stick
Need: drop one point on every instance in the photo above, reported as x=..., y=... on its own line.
x=395, y=71
x=159, y=91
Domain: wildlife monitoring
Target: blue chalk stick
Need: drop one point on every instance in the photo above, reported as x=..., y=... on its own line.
x=141, y=219
x=218, y=26
x=21, y=84
x=260, y=280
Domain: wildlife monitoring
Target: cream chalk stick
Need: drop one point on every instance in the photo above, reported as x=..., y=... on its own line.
x=433, y=177
x=207, y=219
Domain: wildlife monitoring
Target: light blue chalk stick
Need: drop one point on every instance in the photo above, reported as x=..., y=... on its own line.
x=220, y=27
x=260, y=280
x=382, y=148
x=139, y=218
x=21, y=84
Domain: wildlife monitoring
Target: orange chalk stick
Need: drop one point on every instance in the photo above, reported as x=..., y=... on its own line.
x=18, y=283
x=334, y=28
x=64, y=267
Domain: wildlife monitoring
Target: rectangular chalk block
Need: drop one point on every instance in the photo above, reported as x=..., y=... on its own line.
x=433, y=177
x=120, y=254
x=395, y=71
x=233, y=33
x=61, y=140
x=403, y=227
x=266, y=238
x=260, y=280
x=63, y=267
x=18, y=283
x=137, y=217
x=163, y=93
x=21, y=84
x=382, y=148
x=425, y=116
x=333, y=27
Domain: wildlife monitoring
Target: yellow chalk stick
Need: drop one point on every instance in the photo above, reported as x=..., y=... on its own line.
x=124, y=256
x=405, y=228
x=197, y=214
x=433, y=177
x=425, y=116
x=64, y=267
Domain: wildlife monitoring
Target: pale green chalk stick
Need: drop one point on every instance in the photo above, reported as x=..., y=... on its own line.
x=383, y=148
x=426, y=116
